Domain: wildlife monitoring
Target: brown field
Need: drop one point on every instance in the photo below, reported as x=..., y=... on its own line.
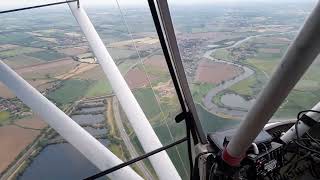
x=62, y=70
x=95, y=73
x=45, y=66
x=212, y=72
x=270, y=50
x=21, y=61
x=81, y=68
x=137, y=78
x=144, y=40
x=213, y=36
x=34, y=122
x=157, y=61
x=53, y=68
x=5, y=92
x=13, y=140
x=41, y=84
x=74, y=51
x=7, y=47
x=273, y=40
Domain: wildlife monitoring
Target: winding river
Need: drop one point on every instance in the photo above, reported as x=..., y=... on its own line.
x=229, y=112
x=207, y=100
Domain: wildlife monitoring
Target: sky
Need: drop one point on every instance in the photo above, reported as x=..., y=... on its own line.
x=23, y=3
x=11, y=3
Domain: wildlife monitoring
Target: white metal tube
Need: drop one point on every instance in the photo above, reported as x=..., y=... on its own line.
x=295, y=62
x=144, y=131
x=90, y=147
x=302, y=127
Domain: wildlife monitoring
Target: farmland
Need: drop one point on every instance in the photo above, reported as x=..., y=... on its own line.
x=13, y=141
x=148, y=102
x=18, y=51
x=137, y=78
x=263, y=55
x=46, y=55
x=70, y=91
x=211, y=72
x=226, y=51
x=4, y=116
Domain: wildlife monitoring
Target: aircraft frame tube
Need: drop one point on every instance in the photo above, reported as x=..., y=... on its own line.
x=299, y=56
x=302, y=127
x=90, y=147
x=143, y=129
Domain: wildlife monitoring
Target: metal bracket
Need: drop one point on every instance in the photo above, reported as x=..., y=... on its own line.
x=183, y=116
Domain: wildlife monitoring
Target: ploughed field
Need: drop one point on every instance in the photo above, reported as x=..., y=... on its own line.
x=16, y=137
x=213, y=72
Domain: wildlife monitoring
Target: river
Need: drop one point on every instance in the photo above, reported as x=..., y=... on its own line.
x=232, y=113
x=229, y=110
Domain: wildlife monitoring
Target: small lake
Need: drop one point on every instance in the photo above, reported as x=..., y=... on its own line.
x=60, y=162
x=236, y=101
x=92, y=109
x=88, y=118
x=64, y=162
x=92, y=131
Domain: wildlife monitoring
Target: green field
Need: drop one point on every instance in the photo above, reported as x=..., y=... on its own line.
x=312, y=73
x=244, y=87
x=17, y=51
x=304, y=95
x=70, y=91
x=103, y=87
x=15, y=38
x=199, y=90
x=298, y=101
x=223, y=54
x=212, y=123
x=4, y=117
x=178, y=132
x=217, y=98
x=99, y=88
x=147, y=101
x=21, y=61
x=162, y=74
x=46, y=55
x=307, y=85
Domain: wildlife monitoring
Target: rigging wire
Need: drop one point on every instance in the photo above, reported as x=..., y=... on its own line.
x=150, y=84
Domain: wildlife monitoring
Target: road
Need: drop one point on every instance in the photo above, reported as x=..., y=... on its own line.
x=124, y=136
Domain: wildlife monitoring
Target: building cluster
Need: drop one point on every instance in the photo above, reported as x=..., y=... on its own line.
x=14, y=106
x=191, y=52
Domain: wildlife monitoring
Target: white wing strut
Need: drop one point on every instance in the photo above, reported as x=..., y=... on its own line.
x=302, y=127
x=146, y=135
x=90, y=147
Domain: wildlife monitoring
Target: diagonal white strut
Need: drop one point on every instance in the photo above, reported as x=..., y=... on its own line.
x=144, y=131
x=297, y=59
x=90, y=147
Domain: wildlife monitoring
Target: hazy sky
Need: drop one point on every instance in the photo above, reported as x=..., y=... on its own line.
x=131, y=2
x=23, y=3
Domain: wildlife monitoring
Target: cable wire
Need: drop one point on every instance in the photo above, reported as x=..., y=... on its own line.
x=150, y=84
